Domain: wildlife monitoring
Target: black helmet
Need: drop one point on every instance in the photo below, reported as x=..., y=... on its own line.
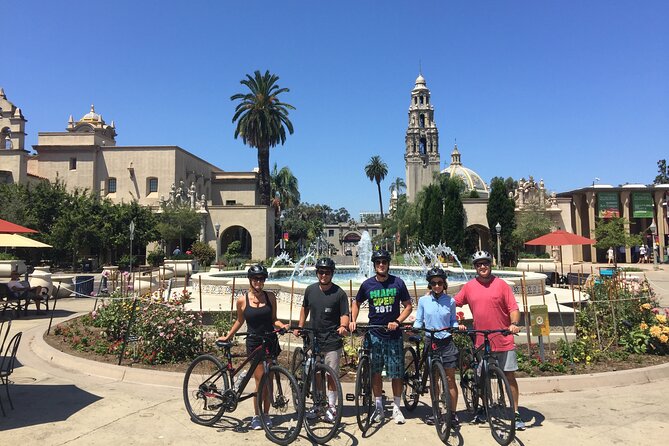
x=435, y=272
x=257, y=270
x=325, y=262
x=481, y=255
x=380, y=254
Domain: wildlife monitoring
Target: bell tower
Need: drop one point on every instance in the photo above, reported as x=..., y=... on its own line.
x=422, y=141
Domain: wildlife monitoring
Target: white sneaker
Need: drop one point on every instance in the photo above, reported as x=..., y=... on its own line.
x=330, y=415
x=256, y=424
x=378, y=416
x=397, y=415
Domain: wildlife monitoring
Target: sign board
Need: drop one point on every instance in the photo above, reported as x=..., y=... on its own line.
x=285, y=236
x=642, y=205
x=607, y=205
x=539, y=320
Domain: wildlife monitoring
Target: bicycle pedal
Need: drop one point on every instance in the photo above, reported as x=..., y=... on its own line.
x=350, y=397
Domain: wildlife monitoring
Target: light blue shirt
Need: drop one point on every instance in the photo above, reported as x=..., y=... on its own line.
x=435, y=313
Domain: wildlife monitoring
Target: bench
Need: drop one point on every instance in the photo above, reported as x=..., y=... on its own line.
x=8, y=299
x=577, y=279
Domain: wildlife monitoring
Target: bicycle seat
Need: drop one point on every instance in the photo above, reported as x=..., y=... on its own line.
x=224, y=344
x=414, y=338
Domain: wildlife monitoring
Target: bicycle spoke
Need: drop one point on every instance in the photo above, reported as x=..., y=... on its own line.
x=279, y=405
x=364, y=400
x=411, y=380
x=499, y=402
x=322, y=419
x=441, y=401
x=203, y=388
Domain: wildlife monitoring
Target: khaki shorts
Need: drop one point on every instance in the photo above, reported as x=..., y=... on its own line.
x=332, y=359
x=507, y=361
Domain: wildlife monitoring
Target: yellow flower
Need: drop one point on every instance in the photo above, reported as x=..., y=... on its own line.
x=655, y=331
x=664, y=338
x=665, y=330
x=646, y=306
x=588, y=359
x=661, y=318
x=643, y=325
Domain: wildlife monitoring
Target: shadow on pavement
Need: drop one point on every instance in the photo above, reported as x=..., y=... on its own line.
x=42, y=404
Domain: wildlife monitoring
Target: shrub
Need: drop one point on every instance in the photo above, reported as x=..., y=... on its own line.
x=156, y=258
x=204, y=253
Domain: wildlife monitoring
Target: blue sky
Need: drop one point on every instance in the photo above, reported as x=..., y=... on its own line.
x=564, y=90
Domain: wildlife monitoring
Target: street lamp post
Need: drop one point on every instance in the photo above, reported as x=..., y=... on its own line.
x=282, y=241
x=217, y=227
x=132, y=237
x=498, y=228
x=653, y=229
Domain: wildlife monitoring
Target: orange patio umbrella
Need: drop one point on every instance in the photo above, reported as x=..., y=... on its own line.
x=7, y=227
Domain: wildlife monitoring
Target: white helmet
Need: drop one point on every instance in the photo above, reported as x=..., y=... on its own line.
x=481, y=255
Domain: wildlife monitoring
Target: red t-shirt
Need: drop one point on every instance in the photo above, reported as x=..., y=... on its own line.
x=491, y=305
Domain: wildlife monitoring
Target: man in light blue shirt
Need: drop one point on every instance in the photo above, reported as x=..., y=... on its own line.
x=436, y=310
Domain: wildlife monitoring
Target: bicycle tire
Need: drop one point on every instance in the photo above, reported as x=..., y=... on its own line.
x=319, y=428
x=279, y=393
x=441, y=401
x=205, y=382
x=411, y=380
x=364, y=399
x=470, y=390
x=499, y=406
x=297, y=366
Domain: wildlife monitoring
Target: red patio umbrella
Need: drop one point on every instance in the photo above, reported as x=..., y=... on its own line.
x=7, y=227
x=560, y=238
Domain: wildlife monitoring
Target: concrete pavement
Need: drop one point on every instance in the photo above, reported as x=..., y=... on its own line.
x=61, y=400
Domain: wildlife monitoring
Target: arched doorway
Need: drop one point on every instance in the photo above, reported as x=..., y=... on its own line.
x=237, y=233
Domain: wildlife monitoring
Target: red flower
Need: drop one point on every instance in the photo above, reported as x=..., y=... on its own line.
x=460, y=315
x=189, y=252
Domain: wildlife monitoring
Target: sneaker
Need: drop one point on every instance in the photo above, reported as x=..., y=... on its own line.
x=256, y=424
x=429, y=420
x=331, y=415
x=312, y=413
x=520, y=424
x=268, y=423
x=480, y=417
x=455, y=421
x=378, y=416
x=397, y=416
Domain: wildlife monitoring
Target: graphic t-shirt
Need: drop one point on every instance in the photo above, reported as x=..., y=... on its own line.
x=384, y=302
x=491, y=305
x=325, y=310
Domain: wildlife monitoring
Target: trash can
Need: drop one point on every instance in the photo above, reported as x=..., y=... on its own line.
x=87, y=266
x=83, y=285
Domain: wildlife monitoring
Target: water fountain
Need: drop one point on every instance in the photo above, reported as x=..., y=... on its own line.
x=365, y=267
x=283, y=257
x=302, y=264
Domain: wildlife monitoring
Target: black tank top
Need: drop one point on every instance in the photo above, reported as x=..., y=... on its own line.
x=258, y=319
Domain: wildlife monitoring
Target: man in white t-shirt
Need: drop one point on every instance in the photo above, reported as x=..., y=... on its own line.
x=18, y=287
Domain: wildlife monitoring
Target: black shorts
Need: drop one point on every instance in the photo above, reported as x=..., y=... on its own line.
x=254, y=342
x=446, y=351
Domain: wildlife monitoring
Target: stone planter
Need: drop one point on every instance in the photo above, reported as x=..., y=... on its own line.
x=180, y=267
x=42, y=277
x=7, y=266
x=66, y=283
x=537, y=265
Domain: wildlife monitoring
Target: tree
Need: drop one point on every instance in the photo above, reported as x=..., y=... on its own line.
x=376, y=171
x=501, y=210
x=262, y=121
x=453, y=223
x=285, y=185
x=431, y=215
x=531, y=223
x=398, y=185
x=178, y=222
x=610, y=233
x=663, y=172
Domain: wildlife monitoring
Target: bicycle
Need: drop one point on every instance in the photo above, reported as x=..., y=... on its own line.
x=313, y=375
x=208, y=394
x=363, y=396
x=481, y=377
x=418, y=366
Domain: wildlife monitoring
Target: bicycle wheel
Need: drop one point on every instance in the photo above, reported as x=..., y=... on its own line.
x=441, y=401
x=321, y=420
x=411, y=379
x=297, y=365
x=470, y=392
x=280, y=397
x=364, y=400
x=204, y=384
x=499, y=406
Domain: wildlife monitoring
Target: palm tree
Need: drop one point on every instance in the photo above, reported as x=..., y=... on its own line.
x=398, y=186
x=285, y=185
x=377, y=170
x=262, y=120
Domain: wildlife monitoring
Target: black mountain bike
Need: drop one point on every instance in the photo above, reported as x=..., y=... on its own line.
x=481, y=378
x=312, y=374
x=208, y=394
x=418, y=366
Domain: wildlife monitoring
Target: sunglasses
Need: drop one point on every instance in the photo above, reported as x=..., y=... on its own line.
x=324, y=272
x=482, y=264
x=258, y=279
x=380, y=262
x=437, y=283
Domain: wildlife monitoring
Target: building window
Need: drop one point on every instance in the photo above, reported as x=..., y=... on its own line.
x=153, y=185
x=111, y=185
x=230, y=202
x=73, y=164
x=421, y=121
x=373, y=232
x=330, y=232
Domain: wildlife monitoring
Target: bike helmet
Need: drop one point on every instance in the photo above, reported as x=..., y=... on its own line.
x=257, y=270
x=325, y=262
x=435, y=272
x=481, y=255
x=380, y=254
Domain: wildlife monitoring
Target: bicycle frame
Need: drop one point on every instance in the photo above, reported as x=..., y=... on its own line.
x=425, y=359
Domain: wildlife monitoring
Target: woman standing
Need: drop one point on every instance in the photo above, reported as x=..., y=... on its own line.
x=258, y=309
x=436, y=310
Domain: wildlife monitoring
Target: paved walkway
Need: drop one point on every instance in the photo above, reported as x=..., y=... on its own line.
x=60, y=400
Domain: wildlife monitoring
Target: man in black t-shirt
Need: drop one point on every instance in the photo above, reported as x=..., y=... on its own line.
x=327, y=304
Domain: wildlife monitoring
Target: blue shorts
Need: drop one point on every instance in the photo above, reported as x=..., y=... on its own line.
x=388, y=352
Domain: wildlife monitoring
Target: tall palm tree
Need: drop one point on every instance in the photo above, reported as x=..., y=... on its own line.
x=398, y=185
x=262, y=120
x=285, y=184
x=377, y=170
